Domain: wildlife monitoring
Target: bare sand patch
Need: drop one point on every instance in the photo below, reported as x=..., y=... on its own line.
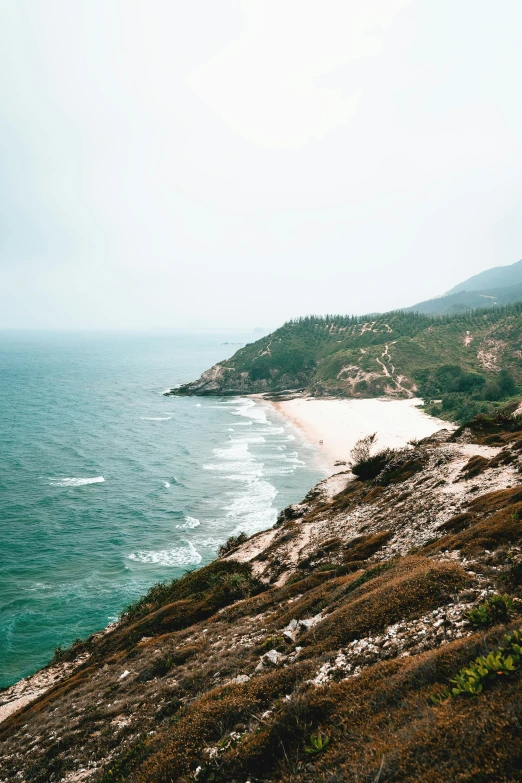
x=335, y=425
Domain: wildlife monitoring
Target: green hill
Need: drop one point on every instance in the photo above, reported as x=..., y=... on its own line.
x=469, y=361
x=497, y=277
x=498, y=286
x=463, y=301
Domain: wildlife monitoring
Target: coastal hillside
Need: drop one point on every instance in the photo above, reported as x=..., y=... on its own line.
x=468, y=362
x=373, y=634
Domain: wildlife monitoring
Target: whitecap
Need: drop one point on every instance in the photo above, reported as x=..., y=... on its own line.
x=223, y=403
x=178, y=556
x=250, y=507
x=257, y=500
x=282, y=471
x=245, y=468
x=251, y=411
x=37, y=586
x=166, y=485
x=284, y=457
x=238, y=449
x=189, y=522
x=197, y=405
x=76, y=482
x=249, y=439
x=156, y=418
x=208, y=541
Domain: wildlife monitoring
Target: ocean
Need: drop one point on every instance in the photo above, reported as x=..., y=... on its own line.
x=108, y=487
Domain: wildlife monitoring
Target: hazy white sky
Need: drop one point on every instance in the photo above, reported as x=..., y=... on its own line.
x=238, y=162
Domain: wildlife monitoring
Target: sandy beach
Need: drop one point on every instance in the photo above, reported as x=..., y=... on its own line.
x=340, y=423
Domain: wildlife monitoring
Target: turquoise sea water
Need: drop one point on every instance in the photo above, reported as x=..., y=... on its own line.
x=107, y=486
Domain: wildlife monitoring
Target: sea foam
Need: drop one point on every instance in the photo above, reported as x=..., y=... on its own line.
x=76, y=482
x=189, y=522
x=178, y=556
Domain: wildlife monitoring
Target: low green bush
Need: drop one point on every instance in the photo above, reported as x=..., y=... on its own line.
x=123, y=765
x=472, y=679
x=496, y=609
x=273, y=643
x=369, y=468
x=231, y=543
x=370, y=573
x=159, y=668
x=318, y=743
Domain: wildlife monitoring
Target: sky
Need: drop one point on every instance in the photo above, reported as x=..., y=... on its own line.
x=235, y=163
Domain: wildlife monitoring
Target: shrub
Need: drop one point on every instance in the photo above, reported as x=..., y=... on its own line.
x=168, y=709
x=199, y=585
x=231, y=543
x=496, y=609
x=368, y=469
x=62, y=654
x=273, y=643
x=361, y=450
x=122, y=766
x=371, y=573
x=236, y=585
x=472, y=679
x=515, y=573
x=158, y=668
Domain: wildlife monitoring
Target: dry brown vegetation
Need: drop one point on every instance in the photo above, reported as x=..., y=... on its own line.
x=360, y=634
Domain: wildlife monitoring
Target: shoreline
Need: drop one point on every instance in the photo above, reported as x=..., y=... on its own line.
x=339, y=423
x=334, y=425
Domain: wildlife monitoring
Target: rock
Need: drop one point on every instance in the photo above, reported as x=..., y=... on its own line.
x=310, y=621
x=274, y=657
x=239, y=680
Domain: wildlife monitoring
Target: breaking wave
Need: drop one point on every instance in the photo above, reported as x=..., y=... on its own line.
x=178, y=556
x=189, y=522
x=76, y=482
